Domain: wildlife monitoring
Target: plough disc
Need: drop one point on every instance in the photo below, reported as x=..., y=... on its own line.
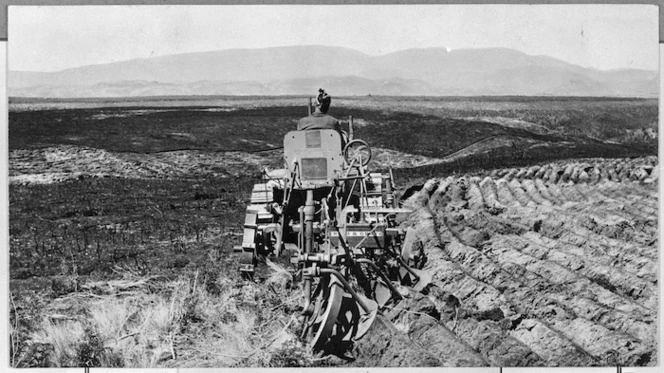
x=353, y=322
x=327, y=299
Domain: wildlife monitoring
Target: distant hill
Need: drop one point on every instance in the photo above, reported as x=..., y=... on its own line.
x=342, y=71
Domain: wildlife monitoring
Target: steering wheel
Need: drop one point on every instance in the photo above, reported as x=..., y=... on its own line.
x=357, y=150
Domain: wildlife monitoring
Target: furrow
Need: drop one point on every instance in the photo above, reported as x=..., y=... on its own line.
x=534, y=193
x=490, y=194
x=505, y=195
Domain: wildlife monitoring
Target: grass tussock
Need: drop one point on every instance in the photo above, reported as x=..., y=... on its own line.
x=202, y=318
x=63, y=337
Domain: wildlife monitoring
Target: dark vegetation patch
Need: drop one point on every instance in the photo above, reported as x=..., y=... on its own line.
x=148, y=224
x=438, y=137
x=520, y=157
x=600, y=118
x=427, y=127
x=135, y=129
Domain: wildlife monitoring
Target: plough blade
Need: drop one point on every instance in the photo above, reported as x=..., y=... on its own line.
x=366, y=319
x=416, y=278
x=382, y=293
x=424, y=280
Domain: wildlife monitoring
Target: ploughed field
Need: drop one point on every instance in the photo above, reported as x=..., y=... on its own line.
x=550, y=265
x=123, y=216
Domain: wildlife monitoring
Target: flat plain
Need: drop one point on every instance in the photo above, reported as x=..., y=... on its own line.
x=538, y=214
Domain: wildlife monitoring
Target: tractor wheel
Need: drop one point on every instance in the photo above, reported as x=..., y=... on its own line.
x=247, y=265
x=271, y=240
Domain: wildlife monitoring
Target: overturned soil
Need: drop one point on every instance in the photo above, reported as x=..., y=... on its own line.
x=551, y=265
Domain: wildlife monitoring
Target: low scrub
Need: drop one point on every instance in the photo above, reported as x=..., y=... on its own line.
x=202, y=318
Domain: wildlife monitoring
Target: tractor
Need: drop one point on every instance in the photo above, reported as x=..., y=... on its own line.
x=338, y=222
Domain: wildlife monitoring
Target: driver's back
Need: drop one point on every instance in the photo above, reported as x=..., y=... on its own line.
x=318, y=121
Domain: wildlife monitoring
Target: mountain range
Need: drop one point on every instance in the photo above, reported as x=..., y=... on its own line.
x=301, y=70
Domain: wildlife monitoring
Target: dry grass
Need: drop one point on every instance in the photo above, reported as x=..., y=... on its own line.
x=145, y=322
x=64, y=337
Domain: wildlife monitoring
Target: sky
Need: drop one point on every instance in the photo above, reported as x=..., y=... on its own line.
x=46, y=38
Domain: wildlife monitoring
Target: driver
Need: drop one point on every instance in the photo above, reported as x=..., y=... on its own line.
x=320, y=119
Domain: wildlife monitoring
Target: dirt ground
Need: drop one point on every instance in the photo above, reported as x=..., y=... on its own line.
x=68, y=162
x=552, y=265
